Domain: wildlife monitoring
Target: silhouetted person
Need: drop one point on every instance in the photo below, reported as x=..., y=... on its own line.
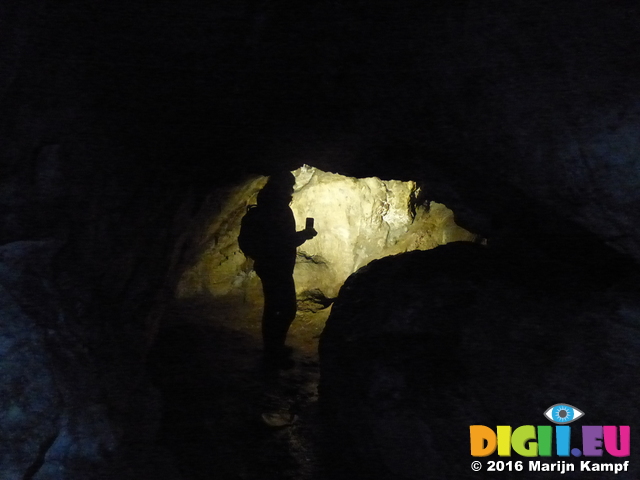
x=274, y=234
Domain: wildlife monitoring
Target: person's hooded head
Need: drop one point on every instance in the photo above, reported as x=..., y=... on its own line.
x=278, y=190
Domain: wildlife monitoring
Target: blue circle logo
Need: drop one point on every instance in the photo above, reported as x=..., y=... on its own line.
x=562, y=413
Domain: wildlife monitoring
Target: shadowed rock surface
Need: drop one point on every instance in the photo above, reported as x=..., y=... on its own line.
x=120, y=119
x=422, y=345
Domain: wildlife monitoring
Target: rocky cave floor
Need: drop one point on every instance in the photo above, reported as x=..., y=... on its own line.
x=206, y=362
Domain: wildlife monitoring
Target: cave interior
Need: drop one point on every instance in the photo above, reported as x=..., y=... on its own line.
x=473, y=169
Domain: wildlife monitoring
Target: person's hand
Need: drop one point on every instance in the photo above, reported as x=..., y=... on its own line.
x=310, y=232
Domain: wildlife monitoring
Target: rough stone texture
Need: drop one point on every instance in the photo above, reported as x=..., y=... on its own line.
x=75, y=401
x=216, y=265
x=358, y=220
x=65, y=411
x=86, y=239
x=30, y=398
x=422, y=345
x=520, y=116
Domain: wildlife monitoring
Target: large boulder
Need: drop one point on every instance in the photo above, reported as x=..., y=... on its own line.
x=422, y=345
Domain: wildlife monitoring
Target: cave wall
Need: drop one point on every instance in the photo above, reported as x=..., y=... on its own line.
x=88, y=226
x=358, y=220
x=84, y=256
x=118, y=118
x=558, y=95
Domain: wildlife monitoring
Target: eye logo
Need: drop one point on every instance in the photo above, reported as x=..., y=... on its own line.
x=563, y=413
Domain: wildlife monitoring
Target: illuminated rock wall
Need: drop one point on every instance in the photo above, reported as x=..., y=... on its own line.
x=358, y=220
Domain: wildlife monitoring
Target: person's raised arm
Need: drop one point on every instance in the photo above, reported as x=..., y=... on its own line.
x=304, y=235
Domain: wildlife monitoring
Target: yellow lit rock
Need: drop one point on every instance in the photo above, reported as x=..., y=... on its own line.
x=358, y=220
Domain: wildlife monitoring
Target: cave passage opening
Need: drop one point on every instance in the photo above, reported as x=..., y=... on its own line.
x=223, y=409
x=358, y=220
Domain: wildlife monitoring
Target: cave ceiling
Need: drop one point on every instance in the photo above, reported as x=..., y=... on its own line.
x=507, y=104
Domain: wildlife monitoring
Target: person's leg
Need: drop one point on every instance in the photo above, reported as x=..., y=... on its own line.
x=269, y=312
x=286, y=309
x=279, y=310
